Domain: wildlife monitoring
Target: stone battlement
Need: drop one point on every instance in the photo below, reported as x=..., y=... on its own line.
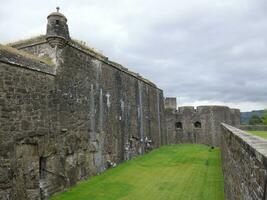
x=188, y=124
x=33, y=42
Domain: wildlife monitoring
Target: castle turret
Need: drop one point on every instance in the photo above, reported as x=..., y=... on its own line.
x=57, y=32
x=170, y=103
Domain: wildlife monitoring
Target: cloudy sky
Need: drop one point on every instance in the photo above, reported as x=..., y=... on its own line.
x=202, y=52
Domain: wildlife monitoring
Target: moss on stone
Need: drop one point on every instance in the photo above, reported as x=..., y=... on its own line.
x=84, y=47
x=36, y=39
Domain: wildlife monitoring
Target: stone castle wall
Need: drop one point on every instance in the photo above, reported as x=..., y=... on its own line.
x=27, y=123
x=66, y=122
x=244, y=160
x=200, y=125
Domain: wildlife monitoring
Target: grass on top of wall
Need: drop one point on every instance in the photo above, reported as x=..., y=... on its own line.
x=262, y=134
x=173, y=172
x=25, y=54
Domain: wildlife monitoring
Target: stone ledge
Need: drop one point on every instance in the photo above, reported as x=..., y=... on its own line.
x=255, y=144
x=14, y=57
x=253, y=127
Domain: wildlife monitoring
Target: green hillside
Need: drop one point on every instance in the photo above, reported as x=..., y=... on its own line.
x=262, y=134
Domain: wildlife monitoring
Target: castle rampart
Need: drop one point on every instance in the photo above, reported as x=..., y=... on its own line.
x=200, y=125
x=68, y=119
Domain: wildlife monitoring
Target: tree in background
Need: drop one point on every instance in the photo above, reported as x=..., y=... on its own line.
x=264, y=117
x=255, y=120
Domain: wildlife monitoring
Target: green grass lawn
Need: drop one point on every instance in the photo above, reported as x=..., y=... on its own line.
x=177, y=172
x=262, y=134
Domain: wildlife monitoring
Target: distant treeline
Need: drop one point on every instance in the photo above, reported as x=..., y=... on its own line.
x=255, y=117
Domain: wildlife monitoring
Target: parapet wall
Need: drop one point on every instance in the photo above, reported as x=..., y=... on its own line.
x=24, y=60
x=253, y=127
x=200, y=125
x=244, y=160
x=28, y=123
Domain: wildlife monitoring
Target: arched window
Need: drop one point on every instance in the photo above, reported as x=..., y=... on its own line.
x=197, y=124
x=179, y=125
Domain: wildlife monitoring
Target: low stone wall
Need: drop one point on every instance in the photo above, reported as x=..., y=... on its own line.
x=244, y=159
x=253, y=127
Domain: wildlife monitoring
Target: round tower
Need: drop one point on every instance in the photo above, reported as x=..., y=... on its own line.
x=57, y=31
